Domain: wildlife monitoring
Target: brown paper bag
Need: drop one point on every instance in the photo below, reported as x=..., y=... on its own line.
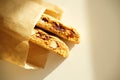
x=17, y=20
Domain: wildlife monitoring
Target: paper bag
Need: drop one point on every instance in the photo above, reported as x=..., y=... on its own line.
x=17, y=20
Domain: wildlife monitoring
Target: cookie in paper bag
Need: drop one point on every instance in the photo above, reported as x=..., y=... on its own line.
x=50, y=42
x=56, y=27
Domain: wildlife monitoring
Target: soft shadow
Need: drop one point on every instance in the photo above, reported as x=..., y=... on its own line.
x=10, y=71
x=104, y=27
x=69, y=44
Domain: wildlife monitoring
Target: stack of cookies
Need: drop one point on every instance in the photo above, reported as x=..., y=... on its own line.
x=49, y=32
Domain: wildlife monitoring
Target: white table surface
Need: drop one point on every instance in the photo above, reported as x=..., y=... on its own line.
x=97, y=57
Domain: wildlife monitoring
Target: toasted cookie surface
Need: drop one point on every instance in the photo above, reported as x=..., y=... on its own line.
x=56, y=27
x=50, y=42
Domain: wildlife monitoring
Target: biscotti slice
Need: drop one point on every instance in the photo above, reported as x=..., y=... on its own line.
x=54, y=26
x=49, y=42
x=52, y=9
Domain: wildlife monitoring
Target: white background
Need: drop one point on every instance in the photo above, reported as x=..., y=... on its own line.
x=97, y=57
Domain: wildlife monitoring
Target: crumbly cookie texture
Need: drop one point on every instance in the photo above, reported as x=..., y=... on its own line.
x=49, y=42
x=54, y=26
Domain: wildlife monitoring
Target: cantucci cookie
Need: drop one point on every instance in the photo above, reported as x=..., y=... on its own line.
x=49, y=42
x=54, y=26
